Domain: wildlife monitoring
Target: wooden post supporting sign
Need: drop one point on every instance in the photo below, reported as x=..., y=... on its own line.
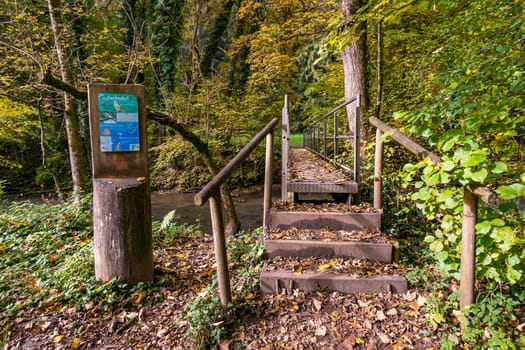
x=121, y=194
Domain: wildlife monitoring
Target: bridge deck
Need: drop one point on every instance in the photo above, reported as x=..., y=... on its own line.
x=308, y=173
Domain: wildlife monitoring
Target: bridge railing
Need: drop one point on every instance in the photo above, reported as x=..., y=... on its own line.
x=211, y=192
x=326, y=135
x=470, y=204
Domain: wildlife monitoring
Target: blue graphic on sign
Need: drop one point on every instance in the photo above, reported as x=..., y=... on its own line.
x=119, y=122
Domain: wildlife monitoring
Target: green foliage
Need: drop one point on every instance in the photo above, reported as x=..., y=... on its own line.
x=47, y=259
x=475, y=121
x=296, y=140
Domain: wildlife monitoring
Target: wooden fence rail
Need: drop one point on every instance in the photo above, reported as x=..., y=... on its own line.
x=470, y=202
x=211, y=192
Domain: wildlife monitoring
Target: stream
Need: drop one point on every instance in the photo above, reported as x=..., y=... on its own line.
x=249, y=207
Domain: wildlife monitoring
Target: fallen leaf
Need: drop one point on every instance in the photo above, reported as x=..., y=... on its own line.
x=75, y=343
x=380, y=316
x=57, y=339
x=385, y=339
x=320, y=331
x=317, y=304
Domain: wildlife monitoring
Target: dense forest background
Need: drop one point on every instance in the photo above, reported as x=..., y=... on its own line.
x=450, y=74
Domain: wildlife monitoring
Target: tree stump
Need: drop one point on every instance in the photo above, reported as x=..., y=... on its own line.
x=122, y=230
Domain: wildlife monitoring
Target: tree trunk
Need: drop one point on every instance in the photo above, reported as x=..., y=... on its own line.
x=353, y=57
x=77, y=155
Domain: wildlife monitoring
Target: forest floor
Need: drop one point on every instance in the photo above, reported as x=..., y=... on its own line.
x=154, y=318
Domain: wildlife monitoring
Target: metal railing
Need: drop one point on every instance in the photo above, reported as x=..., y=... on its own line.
x=324, y=137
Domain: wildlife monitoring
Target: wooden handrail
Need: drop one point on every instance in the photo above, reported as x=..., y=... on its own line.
x=211, y=192
x=471, y=193
x=206, y=192
x=482, y=192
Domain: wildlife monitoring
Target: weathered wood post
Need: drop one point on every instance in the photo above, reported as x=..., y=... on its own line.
x=121, y=194
x=221, y=257
x=268, y=175
x=378, y=170
x=468, y=248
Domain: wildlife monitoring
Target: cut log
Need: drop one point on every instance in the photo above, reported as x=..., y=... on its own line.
x=122, y=230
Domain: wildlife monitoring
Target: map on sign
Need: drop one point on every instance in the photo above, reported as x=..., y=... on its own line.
x=119, y=122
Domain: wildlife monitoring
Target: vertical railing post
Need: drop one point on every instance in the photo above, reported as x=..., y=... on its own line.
x=335, y=136
x=221, y=256
x=325, y=146
x=357, y=141
x=468, y=248
x=285, y=131
x=268, y=178
x=378, y=170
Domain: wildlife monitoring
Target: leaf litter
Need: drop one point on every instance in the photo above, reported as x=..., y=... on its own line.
x=154, y=318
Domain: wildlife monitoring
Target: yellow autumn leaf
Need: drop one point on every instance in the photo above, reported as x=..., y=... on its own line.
x=141, y=294
x=2, y=246
x=75, y=343
x=58, y=339
x=179, y=255
x=359, y=341
x=298, y=270
x=250, y=296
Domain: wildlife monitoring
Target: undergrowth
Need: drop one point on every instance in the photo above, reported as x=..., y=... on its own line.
x=208, y=322
x=46, y=260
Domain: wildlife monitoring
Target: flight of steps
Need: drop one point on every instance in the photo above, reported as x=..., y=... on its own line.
x=326, y=245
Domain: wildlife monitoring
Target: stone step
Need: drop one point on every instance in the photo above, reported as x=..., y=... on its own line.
x=342, y=275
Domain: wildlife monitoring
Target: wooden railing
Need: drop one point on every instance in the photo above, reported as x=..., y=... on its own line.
x=470, y=204
x=211, y=192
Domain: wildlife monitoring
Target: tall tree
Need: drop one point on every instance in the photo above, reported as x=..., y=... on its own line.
x=354, y=56
x=77, y=154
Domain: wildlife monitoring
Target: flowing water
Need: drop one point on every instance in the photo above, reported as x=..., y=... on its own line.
x=249, y=207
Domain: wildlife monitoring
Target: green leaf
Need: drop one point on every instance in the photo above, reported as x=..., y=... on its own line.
x=448, y=165
x=483, y=227
x=498, y=168
x=472, y=160
x=436, y=246
x=480, y=175
x=513, y=260
x=511, y=191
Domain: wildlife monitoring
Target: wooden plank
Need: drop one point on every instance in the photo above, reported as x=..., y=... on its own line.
x=272, y=282
x=333, y=220
x=382, y=252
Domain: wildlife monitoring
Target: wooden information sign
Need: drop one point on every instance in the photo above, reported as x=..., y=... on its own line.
x=121, y=194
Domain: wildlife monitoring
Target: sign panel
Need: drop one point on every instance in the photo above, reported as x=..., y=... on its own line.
x=118, y=122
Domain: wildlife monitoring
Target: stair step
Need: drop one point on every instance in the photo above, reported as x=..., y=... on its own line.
x=327, y=219
x=383, y=252
x=358, y=244
x=342, y=275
